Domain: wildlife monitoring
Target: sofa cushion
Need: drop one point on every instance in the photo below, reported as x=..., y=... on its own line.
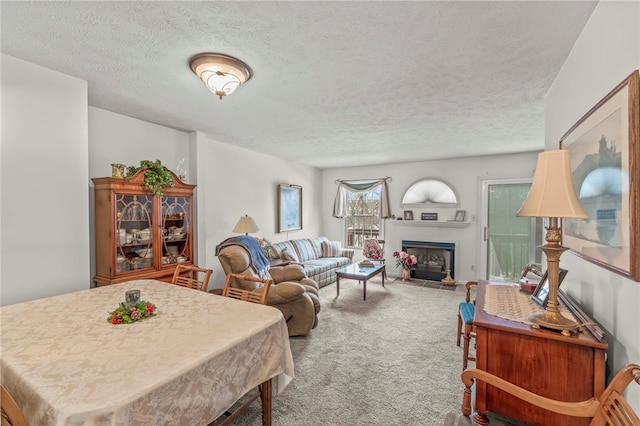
x=316, y=244
x=323, y=270
x=289, y=254
x=331, y=249
x=277, y=248
x=305, y=249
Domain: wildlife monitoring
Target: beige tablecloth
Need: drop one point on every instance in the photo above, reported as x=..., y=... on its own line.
x=65, y=364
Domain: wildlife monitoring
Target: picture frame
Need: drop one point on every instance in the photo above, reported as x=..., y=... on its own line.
x=583, y=319
x=289, y=207
x=408, y=215
x=460, y=214
x=605, y=158
x=428, y=216
x=541, y=294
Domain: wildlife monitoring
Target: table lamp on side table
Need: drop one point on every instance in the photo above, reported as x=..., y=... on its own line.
x=553, y=195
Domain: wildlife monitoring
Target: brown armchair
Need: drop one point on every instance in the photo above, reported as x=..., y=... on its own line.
x=295, y=295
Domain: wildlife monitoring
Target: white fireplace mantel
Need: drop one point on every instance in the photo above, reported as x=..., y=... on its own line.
x=436, y=223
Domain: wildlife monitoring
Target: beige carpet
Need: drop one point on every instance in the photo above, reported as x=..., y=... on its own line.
x=389, y=360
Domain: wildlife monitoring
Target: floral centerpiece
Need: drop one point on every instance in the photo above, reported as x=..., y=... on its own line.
x=406, y=262
x=136, y=312
x=372, y=250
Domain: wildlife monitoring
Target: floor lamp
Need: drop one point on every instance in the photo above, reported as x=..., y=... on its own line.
x=553, y=195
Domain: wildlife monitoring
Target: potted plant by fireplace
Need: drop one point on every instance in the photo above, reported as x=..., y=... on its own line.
x=405, y=262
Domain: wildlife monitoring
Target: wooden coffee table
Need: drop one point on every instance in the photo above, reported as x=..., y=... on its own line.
x=360, y=273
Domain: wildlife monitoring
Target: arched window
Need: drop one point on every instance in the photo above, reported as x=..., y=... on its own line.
x=430, y=191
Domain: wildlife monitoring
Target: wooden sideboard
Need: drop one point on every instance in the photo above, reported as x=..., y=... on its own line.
x=541, y=361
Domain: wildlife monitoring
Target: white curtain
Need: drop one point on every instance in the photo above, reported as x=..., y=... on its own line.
x=340, y=203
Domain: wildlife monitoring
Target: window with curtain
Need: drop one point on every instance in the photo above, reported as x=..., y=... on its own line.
x=363, y=205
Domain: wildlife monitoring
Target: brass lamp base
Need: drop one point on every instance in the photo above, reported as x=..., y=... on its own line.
x=554, y=321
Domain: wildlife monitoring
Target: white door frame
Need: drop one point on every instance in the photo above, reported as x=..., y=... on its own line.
x=484, y=217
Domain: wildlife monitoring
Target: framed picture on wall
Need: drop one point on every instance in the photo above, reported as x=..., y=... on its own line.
x=408, y=215
x=289, y=207
x=604, y=150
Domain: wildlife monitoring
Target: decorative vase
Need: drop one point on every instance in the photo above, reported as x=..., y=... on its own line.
x=405, y=274
x=117, y=170
x=448, y=280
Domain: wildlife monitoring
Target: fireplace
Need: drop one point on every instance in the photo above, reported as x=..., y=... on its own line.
x=434, y=259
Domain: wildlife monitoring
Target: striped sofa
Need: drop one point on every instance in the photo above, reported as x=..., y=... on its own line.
x=319, y=257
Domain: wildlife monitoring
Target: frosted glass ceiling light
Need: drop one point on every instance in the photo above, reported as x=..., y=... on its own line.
x=222, y=74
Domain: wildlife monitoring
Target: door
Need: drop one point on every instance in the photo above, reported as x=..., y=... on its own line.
x=509, y=242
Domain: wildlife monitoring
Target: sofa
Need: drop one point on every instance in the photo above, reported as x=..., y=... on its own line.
x=319, y=257
x=291, y=292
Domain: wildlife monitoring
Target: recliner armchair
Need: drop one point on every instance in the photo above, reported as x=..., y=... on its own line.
x=295, y=295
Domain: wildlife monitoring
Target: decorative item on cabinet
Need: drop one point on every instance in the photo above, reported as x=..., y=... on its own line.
x=117, y=170
x=156, y=177
x=140, y=234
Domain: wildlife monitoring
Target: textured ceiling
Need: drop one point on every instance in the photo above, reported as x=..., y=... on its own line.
x=335, y=84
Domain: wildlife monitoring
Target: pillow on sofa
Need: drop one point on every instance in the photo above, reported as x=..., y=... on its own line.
x=331, y=249
x=274, y=253
x=290, y=255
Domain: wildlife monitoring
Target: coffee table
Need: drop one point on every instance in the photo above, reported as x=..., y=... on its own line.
x=360, y=273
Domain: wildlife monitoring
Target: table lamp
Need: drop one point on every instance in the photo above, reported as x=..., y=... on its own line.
x=246, y=224
x=553, y=195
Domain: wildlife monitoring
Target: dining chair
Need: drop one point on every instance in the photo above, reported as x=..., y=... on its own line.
x=253, y=296
x=610, y=408
x=11, y=413
x=244, y=294
x=466, y=313
x=191, y=276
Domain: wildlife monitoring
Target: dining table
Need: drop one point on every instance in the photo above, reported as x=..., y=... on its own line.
x=66, y=363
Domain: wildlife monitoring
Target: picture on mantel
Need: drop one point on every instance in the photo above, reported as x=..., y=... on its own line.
x=429, y=216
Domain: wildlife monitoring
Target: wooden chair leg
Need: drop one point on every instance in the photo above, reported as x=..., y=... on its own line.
x=467, y=342
x=459, y=329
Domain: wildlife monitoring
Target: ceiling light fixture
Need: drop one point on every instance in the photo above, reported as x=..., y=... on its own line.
x=222, y=74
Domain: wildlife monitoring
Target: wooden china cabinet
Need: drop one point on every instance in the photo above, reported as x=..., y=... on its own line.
x=140, y=235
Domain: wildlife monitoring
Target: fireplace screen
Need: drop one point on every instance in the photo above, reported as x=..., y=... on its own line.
x=434, y=259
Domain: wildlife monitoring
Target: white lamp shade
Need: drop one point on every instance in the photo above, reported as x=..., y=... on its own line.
x=246, y=225
x=552, y=192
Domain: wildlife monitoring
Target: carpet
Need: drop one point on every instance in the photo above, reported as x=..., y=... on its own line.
x=389, y=360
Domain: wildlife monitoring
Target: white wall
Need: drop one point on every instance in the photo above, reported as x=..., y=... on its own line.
x=231, y=181
x=116, y=138
x=45, y=206
x=240, y=182
x=607, y=51
x=465, y=175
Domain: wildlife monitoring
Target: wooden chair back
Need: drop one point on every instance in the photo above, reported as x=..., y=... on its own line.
x=246, y=295
x=192, y=277
x=11, y=413
x=468, y=286
x=610, y=409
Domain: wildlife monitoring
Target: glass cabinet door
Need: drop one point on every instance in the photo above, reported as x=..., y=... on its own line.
x=134, y=235
x=175, y=230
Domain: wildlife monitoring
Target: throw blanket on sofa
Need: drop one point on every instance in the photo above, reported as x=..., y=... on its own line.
x=259, y=261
